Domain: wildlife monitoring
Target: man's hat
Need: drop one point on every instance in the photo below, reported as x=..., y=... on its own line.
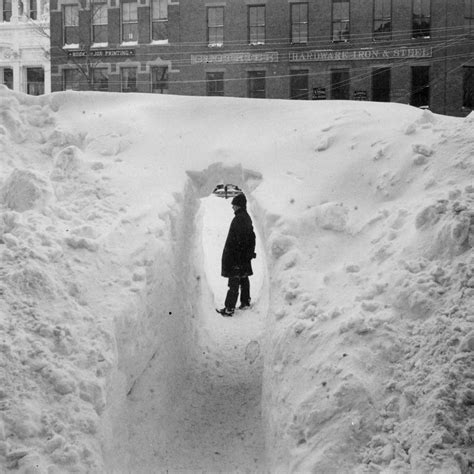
x=240, y=200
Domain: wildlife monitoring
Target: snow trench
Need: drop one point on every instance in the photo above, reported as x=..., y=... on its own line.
x=186, y=395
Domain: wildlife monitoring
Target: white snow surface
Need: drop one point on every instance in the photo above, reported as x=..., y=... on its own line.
x=357, y=353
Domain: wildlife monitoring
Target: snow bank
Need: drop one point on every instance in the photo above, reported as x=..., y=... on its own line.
x=366, y=218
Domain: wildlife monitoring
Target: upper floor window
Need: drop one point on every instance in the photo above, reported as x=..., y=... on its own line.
x=129, y=20
x=99, y=22
x=215, y=26
x=71, y=24
x=382, y=19
x=421, y=18
x=257, y=24
x=340, y=20
x=7, y=10
x=299, y=22
x=33, y=10
x=159, y=27
x=469, y=15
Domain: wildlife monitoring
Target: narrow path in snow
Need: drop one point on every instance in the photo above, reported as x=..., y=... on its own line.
x=210, y=419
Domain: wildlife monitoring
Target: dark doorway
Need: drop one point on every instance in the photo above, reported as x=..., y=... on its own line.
x=381, y=84
x=420, y=86
x=340, y=84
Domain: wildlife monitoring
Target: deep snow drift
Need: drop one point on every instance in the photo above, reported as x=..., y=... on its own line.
x=357, y=355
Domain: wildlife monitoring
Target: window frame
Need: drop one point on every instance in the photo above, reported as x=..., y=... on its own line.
x=297, y=74
x=159, y=23
x=217, y=27
x=415, y=95
x=33, y=9
x=77, y=79
x=341, y=90
x=130, y=22
x=258, y=26
x=70, y=29
x=218, y=91
x=7, y=12
x=122, y=82
x=163, y=90
x=302, y=37
x=468, y=97
x=35, y=87
x=98, y=23
x=419, y=31
x=469, y=16
x=252, y=78
x=5, y=80
x=98, y=85
x=384, y=34
x=344, y=37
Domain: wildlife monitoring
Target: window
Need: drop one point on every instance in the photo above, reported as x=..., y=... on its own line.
x=468, y=87
x=159, y=79
x=33, y=10
x=340, y=83
x=71, y=80
x=99, y=22
x=6, y=75
x=421, y=18
x=35, y=81
x=420, y=86
x=381, y=84
x=7, y=10
x=215, y=83
x=100, y=79
x=382, y=19
x=469, y=16
x=340, y=20
x=71, y=24
x=299, y=84
x=256, y=84
x=215, y=26
x=128, y=79
x=257, y=24
x=129, y=21
x=299, y=23
x=159, y=26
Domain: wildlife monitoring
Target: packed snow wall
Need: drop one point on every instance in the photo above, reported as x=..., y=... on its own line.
x=171, y=345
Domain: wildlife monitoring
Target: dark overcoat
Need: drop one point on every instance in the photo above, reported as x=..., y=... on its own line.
x=239, y=248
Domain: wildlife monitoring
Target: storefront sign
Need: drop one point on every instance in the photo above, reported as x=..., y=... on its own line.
x=232, y=58
x=360, y=55
x=101, y=53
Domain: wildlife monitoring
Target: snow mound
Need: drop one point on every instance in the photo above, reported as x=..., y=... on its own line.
x=25, y=190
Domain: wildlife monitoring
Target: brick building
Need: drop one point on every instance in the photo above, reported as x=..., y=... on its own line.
x=419, y=52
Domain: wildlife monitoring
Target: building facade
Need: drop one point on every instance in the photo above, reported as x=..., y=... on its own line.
x=418, y=52
x=24, y=46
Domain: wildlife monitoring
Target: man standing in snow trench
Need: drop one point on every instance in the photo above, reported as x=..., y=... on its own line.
x=239, y=249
